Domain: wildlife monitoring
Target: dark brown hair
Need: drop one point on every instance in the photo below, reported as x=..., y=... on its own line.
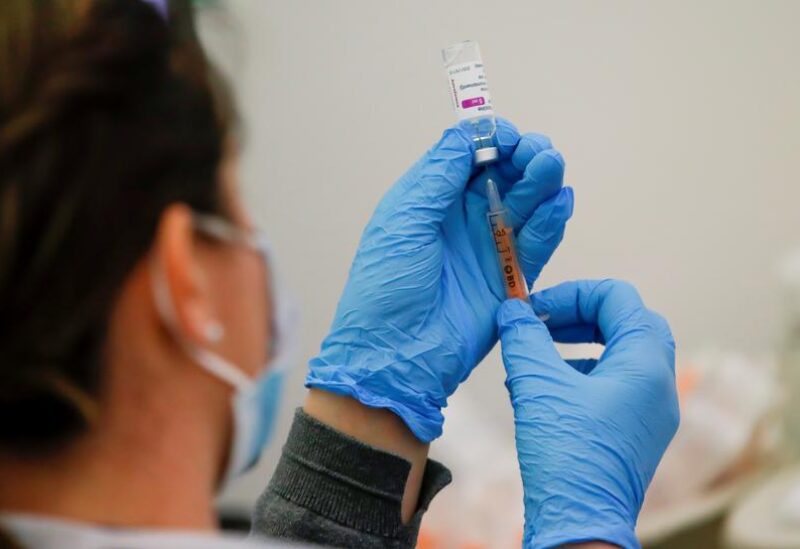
x=108, y=114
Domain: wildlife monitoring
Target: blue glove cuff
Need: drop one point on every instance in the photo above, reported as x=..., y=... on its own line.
x=425, y=423
x=621, y=535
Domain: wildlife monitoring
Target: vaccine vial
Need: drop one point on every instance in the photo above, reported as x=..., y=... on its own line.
x=470, y=95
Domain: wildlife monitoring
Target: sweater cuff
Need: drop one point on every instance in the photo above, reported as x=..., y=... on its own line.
x=344, y=480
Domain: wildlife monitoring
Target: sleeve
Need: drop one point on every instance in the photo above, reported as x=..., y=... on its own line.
x=331, y=489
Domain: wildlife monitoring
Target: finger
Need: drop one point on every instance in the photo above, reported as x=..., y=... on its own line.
x=577, y=333
x=543, y=178
x=507, y=139
x=583, y=365
x=615, y=307
x=662, y=328
x=541, y=235
x=527, y=348
x=612, y=305
x=514, y=159
x=530, y=145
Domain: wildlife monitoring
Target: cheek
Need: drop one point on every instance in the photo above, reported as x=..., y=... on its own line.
x=245, y=311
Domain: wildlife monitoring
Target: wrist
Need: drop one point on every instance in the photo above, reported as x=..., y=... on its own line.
x=420, y=412
x=577, y=535
x=569, y=502
x=376, y=427
x=556, y=515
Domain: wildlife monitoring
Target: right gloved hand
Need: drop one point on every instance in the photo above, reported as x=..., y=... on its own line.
x=417, y=312
x=589, y=433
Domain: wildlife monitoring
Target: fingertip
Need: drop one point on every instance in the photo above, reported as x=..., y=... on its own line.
x=506, y=137
x=529, y=146
x=541, y=307
x=566, y=198
x=662, y=328
x=546, y=163
x=512, y=311
x=555, y=155
x=506, y=125
x=554, y=301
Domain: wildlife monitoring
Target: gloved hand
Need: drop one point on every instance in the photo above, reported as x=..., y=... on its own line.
x=590, y=433
x=417, y=313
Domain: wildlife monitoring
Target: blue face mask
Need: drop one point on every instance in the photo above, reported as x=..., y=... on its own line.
x=254, y=404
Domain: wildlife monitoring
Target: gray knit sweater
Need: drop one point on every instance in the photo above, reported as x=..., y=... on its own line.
x=333, y=490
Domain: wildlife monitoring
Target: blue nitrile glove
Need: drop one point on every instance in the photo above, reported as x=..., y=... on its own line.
x=590, y=433
x=417, y=313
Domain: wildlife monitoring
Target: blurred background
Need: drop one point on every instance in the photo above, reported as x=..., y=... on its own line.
x=680, y=125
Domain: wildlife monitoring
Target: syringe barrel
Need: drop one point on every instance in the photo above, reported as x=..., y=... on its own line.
x=470, y=96
x=514, y=283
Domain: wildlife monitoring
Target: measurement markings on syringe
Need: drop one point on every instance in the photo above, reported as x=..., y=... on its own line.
x=504, y=251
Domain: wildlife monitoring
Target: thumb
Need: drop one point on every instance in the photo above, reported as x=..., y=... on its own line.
x=419, y=201
x=528, y=350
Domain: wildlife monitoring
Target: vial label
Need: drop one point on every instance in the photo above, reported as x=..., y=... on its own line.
x=469, y=91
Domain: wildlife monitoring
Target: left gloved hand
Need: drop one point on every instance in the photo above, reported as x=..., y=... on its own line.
x=589, y=433
x=417, y=313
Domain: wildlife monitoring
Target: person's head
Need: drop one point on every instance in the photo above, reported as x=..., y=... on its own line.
x=115, y=138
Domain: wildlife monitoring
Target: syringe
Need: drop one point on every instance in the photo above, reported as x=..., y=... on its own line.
x=473, y=103
x=513, y=278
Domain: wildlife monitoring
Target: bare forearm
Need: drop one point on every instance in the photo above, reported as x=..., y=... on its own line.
x=333, y=489
x=378, y=428
x=384, y=430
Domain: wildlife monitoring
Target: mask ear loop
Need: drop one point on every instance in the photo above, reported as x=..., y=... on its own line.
x=211, y=362
x=285, y=308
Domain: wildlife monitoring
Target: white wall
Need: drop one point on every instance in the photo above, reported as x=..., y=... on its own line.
x=679, y=121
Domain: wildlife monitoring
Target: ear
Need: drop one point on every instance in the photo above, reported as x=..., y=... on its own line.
x=176, y=251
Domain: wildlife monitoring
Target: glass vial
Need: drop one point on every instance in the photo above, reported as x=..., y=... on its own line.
x=470, y=95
